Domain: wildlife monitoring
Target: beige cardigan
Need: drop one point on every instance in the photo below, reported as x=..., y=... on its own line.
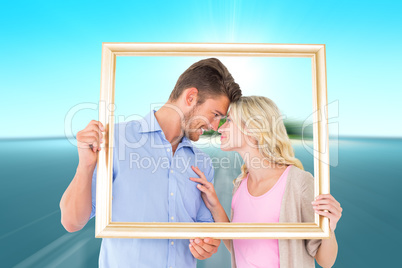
x=296, y=207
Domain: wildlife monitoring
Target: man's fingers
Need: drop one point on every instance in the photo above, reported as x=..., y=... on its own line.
x=201, y=252
x=199, y=242
x=206, y=247
x=87, y=140
x=95, y=128
x=92, y=133
x=194, y=252
x=90, y=139
x=213, y=242
x=90, y=142
x=97, y=123
x=89, y=136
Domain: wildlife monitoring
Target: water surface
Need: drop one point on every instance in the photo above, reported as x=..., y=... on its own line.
x=366, y=179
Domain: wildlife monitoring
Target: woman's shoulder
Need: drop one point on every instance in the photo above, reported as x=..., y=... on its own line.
x=300, y=185
x=299, y=177
x=237, y=182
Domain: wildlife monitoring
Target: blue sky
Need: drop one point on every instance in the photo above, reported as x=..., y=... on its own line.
x=51, y=55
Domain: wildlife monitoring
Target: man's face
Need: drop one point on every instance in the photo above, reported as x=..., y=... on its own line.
x=205, y=117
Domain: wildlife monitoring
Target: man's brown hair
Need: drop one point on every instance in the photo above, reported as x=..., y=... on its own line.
x=211, y=78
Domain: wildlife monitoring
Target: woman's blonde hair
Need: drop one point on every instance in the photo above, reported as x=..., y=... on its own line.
x=259, y=118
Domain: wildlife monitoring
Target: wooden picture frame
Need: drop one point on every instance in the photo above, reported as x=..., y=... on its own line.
x=105, y=228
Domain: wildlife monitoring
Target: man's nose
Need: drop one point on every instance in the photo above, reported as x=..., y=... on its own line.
x=214, y=125
x=220, y=130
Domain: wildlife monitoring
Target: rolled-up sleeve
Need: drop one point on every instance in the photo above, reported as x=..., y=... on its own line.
x=93, y=190
x=307, y=210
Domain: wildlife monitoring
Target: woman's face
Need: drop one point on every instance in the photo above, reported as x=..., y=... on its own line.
x=232, y=139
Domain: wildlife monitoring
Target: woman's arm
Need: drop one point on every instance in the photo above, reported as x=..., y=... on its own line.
x=211, y=200
x=327, y=252
x=327, y=206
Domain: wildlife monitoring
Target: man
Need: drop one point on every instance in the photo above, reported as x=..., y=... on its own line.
x=151, y=171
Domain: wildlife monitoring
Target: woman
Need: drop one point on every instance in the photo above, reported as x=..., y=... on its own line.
x=272, y=187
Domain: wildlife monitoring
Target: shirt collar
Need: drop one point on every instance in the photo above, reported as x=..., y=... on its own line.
x=186, y=142
x=150, y=124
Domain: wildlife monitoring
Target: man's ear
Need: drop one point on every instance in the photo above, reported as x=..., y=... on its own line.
x=191, y=96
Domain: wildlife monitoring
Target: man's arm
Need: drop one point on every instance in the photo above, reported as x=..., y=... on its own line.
x=76, y=203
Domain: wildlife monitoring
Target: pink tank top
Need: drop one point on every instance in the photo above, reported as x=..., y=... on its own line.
x=250, y=209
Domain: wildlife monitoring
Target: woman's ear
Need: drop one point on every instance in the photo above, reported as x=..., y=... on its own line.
x=249, y=137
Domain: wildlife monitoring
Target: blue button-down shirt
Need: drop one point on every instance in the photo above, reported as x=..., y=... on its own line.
x=150, y=184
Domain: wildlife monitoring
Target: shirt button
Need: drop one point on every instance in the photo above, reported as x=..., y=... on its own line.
x=172, y=243
x=171, y=171
x=172, y=218
x=168, y=150
x=171, y=194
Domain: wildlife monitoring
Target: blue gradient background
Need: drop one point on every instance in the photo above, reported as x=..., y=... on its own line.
x=50, y=62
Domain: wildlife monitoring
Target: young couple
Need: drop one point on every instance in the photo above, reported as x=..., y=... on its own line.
x=271, y=188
